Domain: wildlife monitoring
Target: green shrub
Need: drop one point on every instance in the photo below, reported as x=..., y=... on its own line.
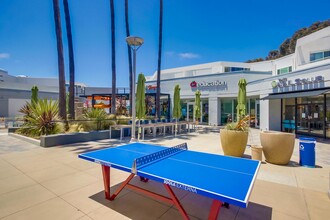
x=75, y=128
x=95, y=120
x=122, y=119
x=41, y=118
x=112, y=116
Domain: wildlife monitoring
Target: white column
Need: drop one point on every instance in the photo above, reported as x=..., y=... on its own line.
x=214, y=111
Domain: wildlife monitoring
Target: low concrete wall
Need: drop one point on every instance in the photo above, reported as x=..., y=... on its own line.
x=62, y=139
x=24, y=138
x=12, y=129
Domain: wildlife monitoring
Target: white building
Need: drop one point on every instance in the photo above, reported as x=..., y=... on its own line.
x=291, y=93
x=15, y=91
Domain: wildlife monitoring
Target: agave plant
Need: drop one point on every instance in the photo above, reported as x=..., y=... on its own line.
x=96, y=119
x=25, y=110
x=41, y=118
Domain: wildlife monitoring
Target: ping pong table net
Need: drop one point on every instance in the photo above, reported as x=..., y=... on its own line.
x=157, y=156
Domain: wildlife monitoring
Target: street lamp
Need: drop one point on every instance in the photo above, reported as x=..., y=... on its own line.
x=135, y=43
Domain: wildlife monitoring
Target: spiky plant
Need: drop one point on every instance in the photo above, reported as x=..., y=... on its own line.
x=26, y=110
x=95, y=119
x=43, y=119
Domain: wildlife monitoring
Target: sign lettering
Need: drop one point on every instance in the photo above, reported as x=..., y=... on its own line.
x=217, y=83
x=180, y=186
x=299, y=81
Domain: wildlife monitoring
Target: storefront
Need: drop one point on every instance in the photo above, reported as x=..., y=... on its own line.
x=229, y=113
x=290, y=94
x=305, y=104
x=306, y=113
x=188, y=105
x=218, y=96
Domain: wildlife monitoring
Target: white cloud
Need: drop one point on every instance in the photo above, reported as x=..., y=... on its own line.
x=188, y=55
x=4, y=55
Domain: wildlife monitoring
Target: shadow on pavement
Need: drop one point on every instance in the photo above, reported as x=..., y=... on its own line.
x=138, y=206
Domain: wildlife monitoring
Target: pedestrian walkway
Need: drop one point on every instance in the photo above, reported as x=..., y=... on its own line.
x=52, y=183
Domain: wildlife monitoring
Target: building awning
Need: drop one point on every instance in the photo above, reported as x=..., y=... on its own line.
x=297, y=94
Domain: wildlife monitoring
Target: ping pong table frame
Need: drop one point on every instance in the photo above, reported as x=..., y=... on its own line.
x=173, y=200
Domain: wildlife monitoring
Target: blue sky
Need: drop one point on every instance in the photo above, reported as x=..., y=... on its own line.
x=194, y=32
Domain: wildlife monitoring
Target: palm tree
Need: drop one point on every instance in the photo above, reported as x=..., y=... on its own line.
x=113, y=55
x=71, y=58
x=60, y=58
x=159, y=57
x=129, y=54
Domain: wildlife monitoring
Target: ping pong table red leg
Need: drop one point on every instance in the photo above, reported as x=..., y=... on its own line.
x=113, y=196
x=106, y=180
x=176, y=201
x=215, y=208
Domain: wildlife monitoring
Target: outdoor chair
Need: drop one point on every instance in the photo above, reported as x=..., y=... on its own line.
x=289, y=125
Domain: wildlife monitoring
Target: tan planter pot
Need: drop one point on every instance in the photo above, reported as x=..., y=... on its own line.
x=233, y=142
x=256, y=152
x=277, y=146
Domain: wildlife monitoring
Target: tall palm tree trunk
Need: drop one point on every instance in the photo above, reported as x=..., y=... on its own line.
x=129, y=54
x=113, y=55
x=71, y=58
x=159, y=57
x=61, y=74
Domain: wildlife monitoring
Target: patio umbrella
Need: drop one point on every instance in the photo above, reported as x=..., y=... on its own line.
x=176, y=106
x=197, y=109
x=241, y=99
x=140, y=100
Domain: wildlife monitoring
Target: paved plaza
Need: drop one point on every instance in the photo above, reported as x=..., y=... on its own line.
x=52, y=183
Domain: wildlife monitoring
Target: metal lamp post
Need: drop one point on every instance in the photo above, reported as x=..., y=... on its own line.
x=135, y=43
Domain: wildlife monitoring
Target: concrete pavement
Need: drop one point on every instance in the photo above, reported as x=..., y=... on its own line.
x=52, y=183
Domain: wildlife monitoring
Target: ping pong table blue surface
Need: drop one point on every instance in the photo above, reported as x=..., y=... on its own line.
x=228, y=179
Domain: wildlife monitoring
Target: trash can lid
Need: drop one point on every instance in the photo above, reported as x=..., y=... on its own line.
x=306, y=139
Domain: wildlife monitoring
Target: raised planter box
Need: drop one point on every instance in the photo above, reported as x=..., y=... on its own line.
x=12, y=129
x=63, y=139
x=71, y=138
x=24, y=138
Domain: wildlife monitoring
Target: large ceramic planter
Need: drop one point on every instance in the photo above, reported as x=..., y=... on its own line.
x=233, y=142
x=277, y=146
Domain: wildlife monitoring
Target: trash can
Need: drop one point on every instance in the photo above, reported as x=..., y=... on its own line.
x=307, y=151
x=256, y=152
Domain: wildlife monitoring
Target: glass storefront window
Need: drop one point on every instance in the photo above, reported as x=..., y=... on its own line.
x=205, y=111
x=252, y=113
x=311, y=99
x=229, y=112
x=226, y=111
x=288, y=115
x=234, y=110
x=310, y=115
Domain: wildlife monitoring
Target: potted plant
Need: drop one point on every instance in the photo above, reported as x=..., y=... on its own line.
x=234, y=137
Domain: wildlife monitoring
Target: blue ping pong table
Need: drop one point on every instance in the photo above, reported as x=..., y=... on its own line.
x=224, y=179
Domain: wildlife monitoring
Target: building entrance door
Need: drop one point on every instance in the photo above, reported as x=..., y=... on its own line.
x=310, y=119
x=190, y=112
